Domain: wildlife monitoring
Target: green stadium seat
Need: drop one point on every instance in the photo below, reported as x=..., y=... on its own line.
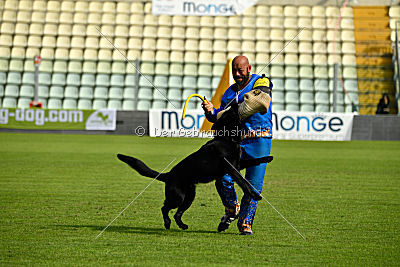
x=174, y=104
x=9, y=102
x=89, y=67
x=353, y=96
x=278, y=97
x=71, y=92
x=54, y=103
x=291, y=97
x=174, y=94
x=321, y=98
x=100, y=93
x=104, y=67
x=351, y=85
x=321, y=108
x=307, y=108
x=339, y=86
x=118, y=67
x=84, y=104
x=130, y=80
x=60, y=66
x=187, y=92
x=145, y=93
x=23, y=102
x=129, y=93
x=339, y=98
x=115, y=93
x=114, y=104
x=339, y=108
x=306, y=97
x=3, y=77
x=175, y=81
x=102, y=80
x=160, y=94
x=205, y=69
x=189, y=82
x=278, y=107
x=73, y=79
x=218, y=70
x=306, y=85
x=16, y=65
x=292, y=107
x=44, y=78
x=46, y=66
x=86, y=92
x=29, y=65
x=58, y=79
x=146, y=81
x=56, y=92
x=69, y=104
x=144, y=105
x=204, y=83
x=291, y=84
x=14, y=78
x=205, y=93
x=87, y=79
x=277, y=72
x=99, y=104
x=159, y=104
x=117, y=80
x=43, y=91
x=128, y=105
x=26, y=91
x=161, y=81
x=321, y=85
x=11, y=90
x=215, y=82
x=27, y=78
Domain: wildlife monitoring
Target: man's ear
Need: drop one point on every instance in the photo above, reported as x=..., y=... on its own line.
x=249, y=69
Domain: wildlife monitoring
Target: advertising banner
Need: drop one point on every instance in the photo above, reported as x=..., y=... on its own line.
x=286, y=125
x=53, y=119
x=201, y=7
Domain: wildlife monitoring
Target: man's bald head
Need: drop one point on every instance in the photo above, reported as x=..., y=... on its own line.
x=241, y=70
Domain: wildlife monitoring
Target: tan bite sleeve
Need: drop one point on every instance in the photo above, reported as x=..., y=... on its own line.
x=255, y=101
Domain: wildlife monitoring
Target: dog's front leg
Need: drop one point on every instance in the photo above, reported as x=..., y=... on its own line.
x=238, y=178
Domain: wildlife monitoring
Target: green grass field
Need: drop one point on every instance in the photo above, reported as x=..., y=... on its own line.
x=57, y=192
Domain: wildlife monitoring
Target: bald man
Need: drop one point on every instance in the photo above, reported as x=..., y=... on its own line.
x=256, y=143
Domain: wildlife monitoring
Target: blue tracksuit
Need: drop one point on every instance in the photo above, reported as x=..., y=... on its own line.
x=253, y=146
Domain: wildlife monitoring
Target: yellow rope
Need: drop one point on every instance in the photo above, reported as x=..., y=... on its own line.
x=187, y=101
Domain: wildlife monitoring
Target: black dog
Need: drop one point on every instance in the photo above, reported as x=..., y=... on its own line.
x=203, y=166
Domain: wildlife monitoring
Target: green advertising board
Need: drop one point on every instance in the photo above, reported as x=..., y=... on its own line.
x=54, y=119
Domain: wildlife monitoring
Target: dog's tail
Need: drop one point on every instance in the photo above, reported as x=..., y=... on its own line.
x=142, y=168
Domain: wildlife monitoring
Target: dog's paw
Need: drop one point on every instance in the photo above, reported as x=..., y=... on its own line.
x=183, y=226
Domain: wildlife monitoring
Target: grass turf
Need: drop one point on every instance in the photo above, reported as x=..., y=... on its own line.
x=57, y=192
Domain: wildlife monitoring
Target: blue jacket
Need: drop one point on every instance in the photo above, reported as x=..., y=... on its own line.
x=256, y=122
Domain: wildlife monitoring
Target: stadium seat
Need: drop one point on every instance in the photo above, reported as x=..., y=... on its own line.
x=58, y=79
x=99, y=104
x=56, y=92
x=321, y=108
x=54, y=103
x=129, y=93
x=44, y=78
x=306, y=85
x=161, y=81
x=9, y=102
x=187, y=92
x=292, y=97
x=339, y=99
x=145, y=93
x=69, y=104
x=175, y=81
x=278, y=97
x=277, y=107
x=204, y=83
x=11, y=91
x=100, y=92
x=339, y=87
x=23, y=102
x=292, y=107
x=159, y=94
x=86, y=92
x=190, y=69
x=189, y=82
x=291, y=71
x=307, y=108
x=351, y=85
x=71, y=92
x=277, y=71
x=14, y=78
x=115, y=93
x=114, y=104
x=144, y=105
x=102, y=80
x=128, y=105
x=174, y=94
x=26, y=91
x=84, y=104
x=306, y=98
x=321, y=85
x=321, y=98
x=306, y=72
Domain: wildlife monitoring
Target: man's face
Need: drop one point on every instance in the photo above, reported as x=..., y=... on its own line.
x=241, y=73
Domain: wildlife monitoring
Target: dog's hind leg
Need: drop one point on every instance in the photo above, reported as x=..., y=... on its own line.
x=187, y=202
x=173, y=199
x=167, y=221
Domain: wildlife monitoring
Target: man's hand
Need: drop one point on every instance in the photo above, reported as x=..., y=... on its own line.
x=207, y=106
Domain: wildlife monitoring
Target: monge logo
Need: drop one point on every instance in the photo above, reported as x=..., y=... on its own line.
x=172, y=120
x=199, y=8
x=304, y=123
